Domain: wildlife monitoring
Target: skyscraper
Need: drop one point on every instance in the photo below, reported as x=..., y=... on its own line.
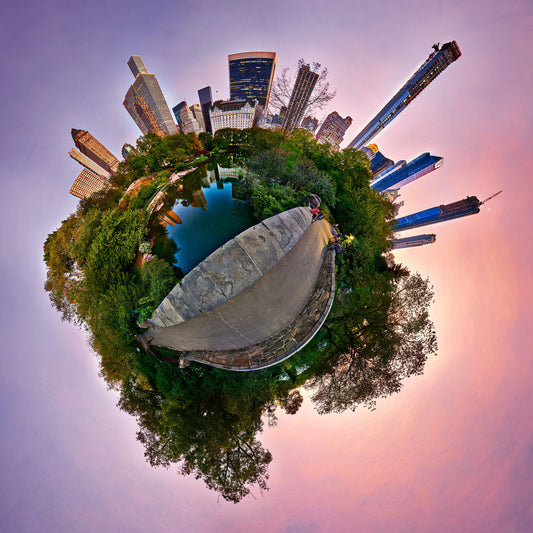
x=87, y=183
x=303, y=87
x=333, y=129
x=205, y=102
x=147, y=116
x=185, y=118
x=415, y=240
x=309, y=123
x=415, y=169
x=462, y=208
x=196, y=110
x=147, y=88
x=436, y=63
x=251, y=75
x=94, y=150
x=89, y=164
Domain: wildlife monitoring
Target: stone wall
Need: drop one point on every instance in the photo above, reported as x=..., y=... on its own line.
x=233, y=267
x=286, y=342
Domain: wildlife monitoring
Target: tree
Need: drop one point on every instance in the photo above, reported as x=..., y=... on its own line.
x=283, y=86
x=378, y=340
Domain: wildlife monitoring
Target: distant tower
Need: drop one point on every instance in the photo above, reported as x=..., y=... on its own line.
x=415, y=169
x=309, y=123
x=251, y=75
x=378, y=162
x=87, y=183
x=185, y=118
x=462, y=208
x=415, y=240
x=89, y=164
x=333, y=129
x=196, y=110
x=436, y=63
x=95, y=150
x=147, y=88
x=147, y=116
x=206, y=101
x=303, y=87
x=128, y=149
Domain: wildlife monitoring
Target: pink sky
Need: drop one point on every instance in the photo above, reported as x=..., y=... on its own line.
x=452, y=451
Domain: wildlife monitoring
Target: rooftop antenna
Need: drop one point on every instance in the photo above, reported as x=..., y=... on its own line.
x=490, y=197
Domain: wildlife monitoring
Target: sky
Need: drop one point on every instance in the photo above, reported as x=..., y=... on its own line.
x=453, y=450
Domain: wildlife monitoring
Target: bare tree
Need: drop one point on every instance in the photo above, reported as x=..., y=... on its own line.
x=283, y=85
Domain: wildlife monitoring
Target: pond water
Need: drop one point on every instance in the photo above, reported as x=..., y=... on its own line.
x=210, y=214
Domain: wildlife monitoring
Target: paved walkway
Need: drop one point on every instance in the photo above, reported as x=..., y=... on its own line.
x=259, y=312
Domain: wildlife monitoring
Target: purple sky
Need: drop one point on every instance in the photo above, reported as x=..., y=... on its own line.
x=452, y=451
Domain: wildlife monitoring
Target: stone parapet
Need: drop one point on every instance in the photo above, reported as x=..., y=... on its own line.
x=233, y=267
x=289, y=340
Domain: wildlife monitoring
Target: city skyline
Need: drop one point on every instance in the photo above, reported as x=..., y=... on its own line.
x=451, y=451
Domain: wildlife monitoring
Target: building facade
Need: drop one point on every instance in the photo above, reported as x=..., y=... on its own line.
x=441, y=213
x=95, y=150
x=422, y=165
x=239, y=114
x=333, y=129
x=128, y=149
x=309, y=123
x=87, y=183
x=185, y=118
x=251, y=75
x=303, y=87
x=415, y=240
x=196, y=110
x=206, y=100
x=434, y=65
x=148, y=118
x=89, y=164
x=147, y=88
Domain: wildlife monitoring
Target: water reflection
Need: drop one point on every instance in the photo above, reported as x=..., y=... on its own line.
x=209, y=206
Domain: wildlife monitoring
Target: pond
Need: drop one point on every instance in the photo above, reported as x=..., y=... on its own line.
x=210, y=214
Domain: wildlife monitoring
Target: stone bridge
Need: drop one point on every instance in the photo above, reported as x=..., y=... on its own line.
x=253, y=302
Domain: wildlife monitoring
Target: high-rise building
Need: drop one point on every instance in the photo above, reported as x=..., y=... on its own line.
x=239, y=114
x=441, y=213
x=196, y=110
x=87, y=183
x=303, y=87
x=309, y=123
x=147, y=116
x=251, y=75
x=94, y=150
x=436, y=63
x=185, y=118
x=415, y=169
x=333, y=129
x=387, y=171
x=147, y=88
x=206, y=100
x=415, y=240
x=128, y=149
x=89, y=164
x=378, y=162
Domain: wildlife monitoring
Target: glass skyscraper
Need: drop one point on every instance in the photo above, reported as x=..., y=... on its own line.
x=441, y=213
x=206, y=100
x=251, y=75
x=434, y=65
x=415, y=169
x=146, y=88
